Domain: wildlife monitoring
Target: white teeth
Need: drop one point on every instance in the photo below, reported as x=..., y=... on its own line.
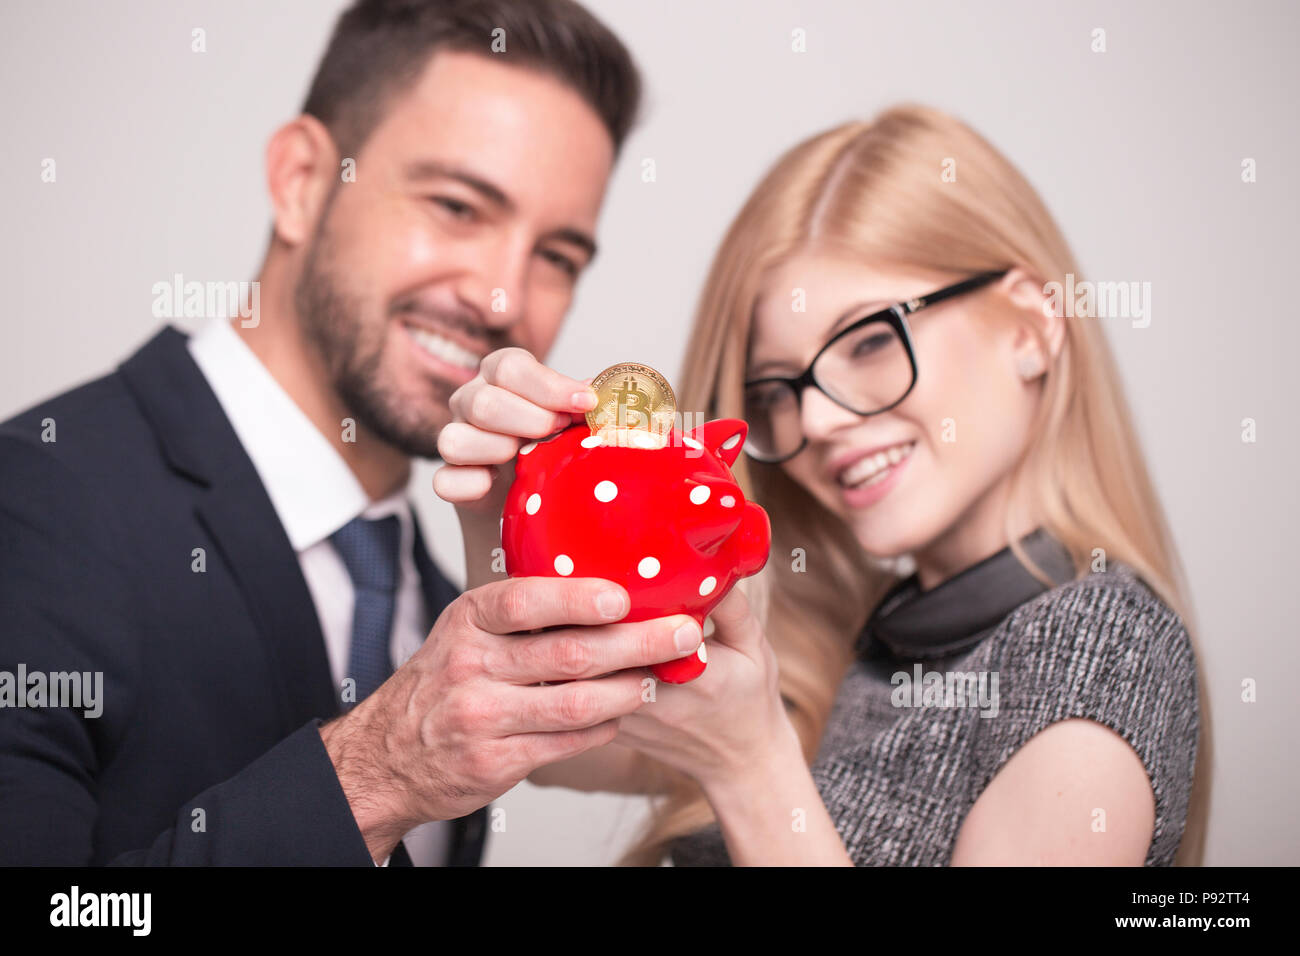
x=444, y=349
x=874, y=465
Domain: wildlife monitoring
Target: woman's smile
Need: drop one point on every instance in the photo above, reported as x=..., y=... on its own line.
x=871, y=476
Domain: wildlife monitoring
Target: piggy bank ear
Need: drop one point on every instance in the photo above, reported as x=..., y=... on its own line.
x=725, y=437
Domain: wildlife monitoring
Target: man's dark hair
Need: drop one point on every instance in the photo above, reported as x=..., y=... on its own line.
x=380, y=47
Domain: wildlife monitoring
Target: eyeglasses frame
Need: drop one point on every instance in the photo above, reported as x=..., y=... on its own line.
x=896, y=317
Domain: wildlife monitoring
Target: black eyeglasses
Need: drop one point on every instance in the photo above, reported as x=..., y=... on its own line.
x=867, y=368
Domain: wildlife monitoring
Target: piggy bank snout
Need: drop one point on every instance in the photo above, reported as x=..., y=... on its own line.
x=753, y=540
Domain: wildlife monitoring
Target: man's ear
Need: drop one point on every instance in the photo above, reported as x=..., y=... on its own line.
x=301, y=166
x=1025, y=292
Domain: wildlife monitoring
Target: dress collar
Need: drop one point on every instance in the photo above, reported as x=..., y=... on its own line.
x=963, y=610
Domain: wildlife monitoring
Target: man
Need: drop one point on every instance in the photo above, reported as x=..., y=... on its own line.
x=217, y=529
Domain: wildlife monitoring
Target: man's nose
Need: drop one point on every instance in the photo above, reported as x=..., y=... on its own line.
x=820, y=417
x=496, y=282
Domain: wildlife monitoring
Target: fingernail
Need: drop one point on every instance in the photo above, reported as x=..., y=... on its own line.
x=584, y=400
x=687, y=637
x=611, y=604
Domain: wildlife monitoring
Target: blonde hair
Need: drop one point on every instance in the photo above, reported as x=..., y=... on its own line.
x=875, y=188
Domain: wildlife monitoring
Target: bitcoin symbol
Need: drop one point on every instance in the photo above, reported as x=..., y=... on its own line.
x=633, y=405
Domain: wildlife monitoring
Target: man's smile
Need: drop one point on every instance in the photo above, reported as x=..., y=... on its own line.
x=448, y=359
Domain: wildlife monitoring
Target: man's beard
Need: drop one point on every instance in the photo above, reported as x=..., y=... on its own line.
x=352, y=351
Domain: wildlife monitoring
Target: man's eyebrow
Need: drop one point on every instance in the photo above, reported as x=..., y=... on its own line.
x=434, y=169
x=858, y=310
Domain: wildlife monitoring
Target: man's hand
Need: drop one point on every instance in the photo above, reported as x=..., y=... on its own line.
x=513, y=400
x=463, y=720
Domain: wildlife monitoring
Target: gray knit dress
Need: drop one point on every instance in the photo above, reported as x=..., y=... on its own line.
x=949, y=683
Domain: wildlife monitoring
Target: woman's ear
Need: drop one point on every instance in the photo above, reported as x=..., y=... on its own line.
x=1025, y=292
x=300, y=168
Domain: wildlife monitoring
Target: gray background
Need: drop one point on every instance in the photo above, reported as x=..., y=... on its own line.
x=1137, y=151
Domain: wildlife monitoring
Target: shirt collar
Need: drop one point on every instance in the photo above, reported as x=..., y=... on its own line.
x=311, y=487
x=963, y=610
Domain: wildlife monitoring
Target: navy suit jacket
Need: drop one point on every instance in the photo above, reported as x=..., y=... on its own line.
x=214, y=681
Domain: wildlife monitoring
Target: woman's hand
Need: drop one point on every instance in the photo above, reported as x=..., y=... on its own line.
x=729, y=730
x=729, y=721
x=514, y=399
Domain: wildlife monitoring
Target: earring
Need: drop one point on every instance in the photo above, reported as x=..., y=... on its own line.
x=1029, y=367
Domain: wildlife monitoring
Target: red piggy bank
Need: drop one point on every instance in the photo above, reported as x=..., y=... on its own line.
x=668, y=523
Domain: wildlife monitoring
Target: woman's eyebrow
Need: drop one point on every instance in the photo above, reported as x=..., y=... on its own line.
x=858, y=310
x=861, y=310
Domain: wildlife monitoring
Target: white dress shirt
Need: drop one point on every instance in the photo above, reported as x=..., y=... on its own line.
x=315, y=493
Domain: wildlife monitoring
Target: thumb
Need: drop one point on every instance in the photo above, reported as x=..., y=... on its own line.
x=735, y=624
x=579, y=417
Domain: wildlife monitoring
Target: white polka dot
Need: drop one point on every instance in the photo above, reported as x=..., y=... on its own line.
x=639, y=438
x=527, y=448
x=534, y=502
x=692, y=443
x=699, y=652
x=563, y=564
x=648, y=567
x=707, y=585
x=606, y=490
x=699, y=494
x=727, y=501
x=731, y=442
x=591, y=441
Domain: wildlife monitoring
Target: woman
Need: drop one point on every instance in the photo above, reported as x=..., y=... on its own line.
x=969, y=645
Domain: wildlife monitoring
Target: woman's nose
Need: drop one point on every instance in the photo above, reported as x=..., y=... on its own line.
x=820, y=417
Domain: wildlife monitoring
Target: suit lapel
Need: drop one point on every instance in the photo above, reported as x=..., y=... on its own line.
x=199, y=444
x=232, y=504
x=239, y=516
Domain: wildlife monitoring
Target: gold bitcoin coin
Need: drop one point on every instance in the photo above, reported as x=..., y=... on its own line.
x=632, y=396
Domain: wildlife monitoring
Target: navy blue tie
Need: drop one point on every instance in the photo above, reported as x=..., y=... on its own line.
x=369, y=550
